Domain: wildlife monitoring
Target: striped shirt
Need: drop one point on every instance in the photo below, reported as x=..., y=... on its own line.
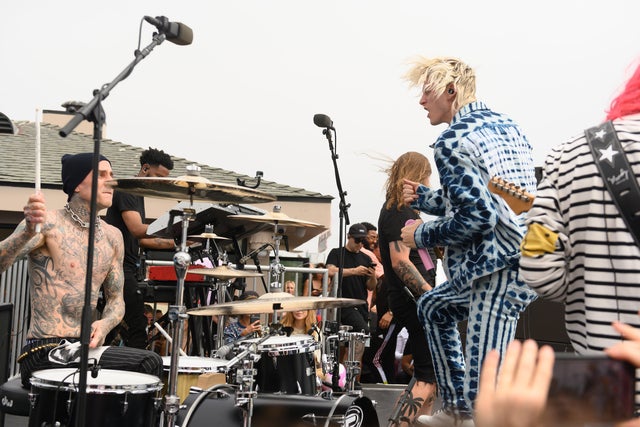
x=595, y=266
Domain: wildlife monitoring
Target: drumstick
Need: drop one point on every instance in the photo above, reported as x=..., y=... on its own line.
x=37, y=158
x=166, y=335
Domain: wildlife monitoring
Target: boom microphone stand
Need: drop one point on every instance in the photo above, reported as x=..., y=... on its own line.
x=323, y=121
x=94, y=112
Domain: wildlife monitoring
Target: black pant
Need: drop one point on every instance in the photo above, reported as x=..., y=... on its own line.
x=405, y=312
x=134, y=334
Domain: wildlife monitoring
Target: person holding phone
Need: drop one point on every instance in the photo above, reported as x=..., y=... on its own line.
x=517, y=394
x=358, y=278
x=245, y=325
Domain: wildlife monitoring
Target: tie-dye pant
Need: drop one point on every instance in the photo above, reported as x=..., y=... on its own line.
x=492, y=306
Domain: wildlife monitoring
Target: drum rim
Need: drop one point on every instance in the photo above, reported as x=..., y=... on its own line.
x=195, y=369
x=300, y=345
x=67, y=385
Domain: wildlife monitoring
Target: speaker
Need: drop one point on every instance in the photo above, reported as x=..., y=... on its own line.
x=6, y=318
x=543, y=321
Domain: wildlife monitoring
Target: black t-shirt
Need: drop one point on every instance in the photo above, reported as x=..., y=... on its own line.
x=352, y=286
x=390, y=223
x=126, y=202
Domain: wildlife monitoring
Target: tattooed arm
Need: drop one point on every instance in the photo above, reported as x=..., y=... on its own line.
x=112, y=287
x=133, y=222
x=24, y=239
x=405, y=270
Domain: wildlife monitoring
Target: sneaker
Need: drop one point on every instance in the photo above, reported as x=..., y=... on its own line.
x=444, y=419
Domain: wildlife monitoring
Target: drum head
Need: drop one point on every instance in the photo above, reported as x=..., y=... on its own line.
x=107, y=381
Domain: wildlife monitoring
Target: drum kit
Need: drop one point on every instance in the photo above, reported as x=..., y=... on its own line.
x=280, y=367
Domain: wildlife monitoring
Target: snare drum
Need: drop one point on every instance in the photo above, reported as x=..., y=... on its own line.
x=286, y=365
x=113, y=398
x=189, y=369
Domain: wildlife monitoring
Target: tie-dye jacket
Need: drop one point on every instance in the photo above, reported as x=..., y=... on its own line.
x=480, y=233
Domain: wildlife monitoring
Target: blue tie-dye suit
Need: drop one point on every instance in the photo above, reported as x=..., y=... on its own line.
x=482, y=237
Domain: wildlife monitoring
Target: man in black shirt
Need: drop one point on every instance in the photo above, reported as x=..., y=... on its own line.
x=358, y=276
x=128, y=215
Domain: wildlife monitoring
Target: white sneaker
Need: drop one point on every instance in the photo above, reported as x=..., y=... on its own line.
x=443, y=419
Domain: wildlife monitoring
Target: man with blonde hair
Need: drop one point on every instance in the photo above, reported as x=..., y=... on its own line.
x=480, y=233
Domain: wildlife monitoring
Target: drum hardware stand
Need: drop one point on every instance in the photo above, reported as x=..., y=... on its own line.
x=352, y=365
x=276, y=268
x=221, y=289
x=176, y=315
x=245, y=378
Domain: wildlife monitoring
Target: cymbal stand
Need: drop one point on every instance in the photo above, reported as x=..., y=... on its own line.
x=245, y=378
x=352, y=365
x=276, y=268
x=221, y=287
x=177, y=314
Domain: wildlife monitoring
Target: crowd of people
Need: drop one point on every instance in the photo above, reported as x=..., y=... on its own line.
x=577, y=244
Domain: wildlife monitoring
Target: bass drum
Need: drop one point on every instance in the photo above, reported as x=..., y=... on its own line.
x=277, y=410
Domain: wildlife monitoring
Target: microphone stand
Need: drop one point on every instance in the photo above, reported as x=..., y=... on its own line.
x=94, y=112
x=344, y=221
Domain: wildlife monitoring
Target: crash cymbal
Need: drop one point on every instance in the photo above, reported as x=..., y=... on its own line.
x=189, y=187
x=280, y=301
x=224, y=273
x=207, y=236
x=276, y=218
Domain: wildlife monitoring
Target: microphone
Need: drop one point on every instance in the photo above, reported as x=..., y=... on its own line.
x=94, y=369
x=176, y=32
x=323, y=121
x=251, y=254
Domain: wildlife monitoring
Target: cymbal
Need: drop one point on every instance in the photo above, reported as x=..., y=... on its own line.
x=207, y=236
x=275, y=301
x=224, y=273
x=189, y=187
x=276, y=218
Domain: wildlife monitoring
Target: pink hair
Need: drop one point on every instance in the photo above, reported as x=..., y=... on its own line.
x=628, y=102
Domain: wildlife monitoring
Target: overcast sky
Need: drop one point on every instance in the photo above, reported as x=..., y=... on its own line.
x=243, y=95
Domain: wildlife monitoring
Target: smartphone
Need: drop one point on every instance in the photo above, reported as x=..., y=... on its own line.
x=254, y=318
x=590, y=389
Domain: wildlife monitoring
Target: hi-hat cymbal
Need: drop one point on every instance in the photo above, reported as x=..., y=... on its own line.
x=276, y=218
x=207, y=236
x=189, y=187
x=275, y=301
x=223, y=272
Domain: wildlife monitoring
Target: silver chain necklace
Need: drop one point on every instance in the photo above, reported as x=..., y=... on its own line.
x=83, y=224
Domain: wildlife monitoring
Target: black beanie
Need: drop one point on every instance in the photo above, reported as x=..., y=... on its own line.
x=75, y=168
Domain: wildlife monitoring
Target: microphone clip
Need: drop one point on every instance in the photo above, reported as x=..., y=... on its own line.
x=95, y=369
x=242, y=182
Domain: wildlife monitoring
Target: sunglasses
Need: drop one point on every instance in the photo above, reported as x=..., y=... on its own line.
x=359, y=239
